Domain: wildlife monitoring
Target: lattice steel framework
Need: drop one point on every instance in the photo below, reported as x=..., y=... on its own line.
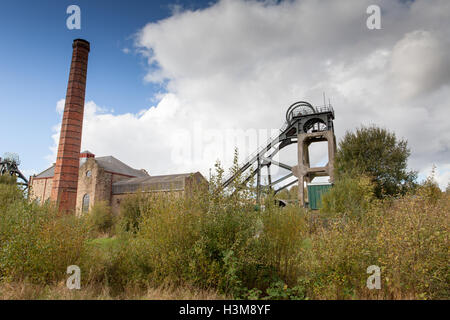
x=9, y=165
x=304, y=125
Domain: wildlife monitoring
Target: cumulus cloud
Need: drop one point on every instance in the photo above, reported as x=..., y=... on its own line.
x=232, y=69
x=419, y=64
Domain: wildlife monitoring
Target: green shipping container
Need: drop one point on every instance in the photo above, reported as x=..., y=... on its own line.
x=315, y=192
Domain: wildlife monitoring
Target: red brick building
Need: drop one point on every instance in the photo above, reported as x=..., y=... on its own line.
x=109, y=179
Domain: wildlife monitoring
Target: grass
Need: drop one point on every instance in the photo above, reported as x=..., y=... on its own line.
x=59, y=291
x=105, y=243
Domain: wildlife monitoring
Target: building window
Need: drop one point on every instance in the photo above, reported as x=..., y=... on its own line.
x=85, y=206
x=88, y=173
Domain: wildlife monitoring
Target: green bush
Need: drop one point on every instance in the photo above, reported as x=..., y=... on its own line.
x=211, y=240
x=283, y=237
x=216, y=240
x=100, y=219
x=9, y=192
x=226, y=251
x=131, y=210
x=36, y=243
x=350, y=196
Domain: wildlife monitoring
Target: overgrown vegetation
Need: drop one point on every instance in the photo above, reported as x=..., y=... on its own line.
x=215, y=244
x=36, y=244
x=377, y=153
x=351, y=196
x=100, y=220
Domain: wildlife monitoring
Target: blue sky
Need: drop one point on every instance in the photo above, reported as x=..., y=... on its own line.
x=35, y=61
x=198, y=70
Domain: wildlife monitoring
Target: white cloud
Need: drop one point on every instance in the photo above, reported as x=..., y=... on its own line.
x=60, y=106
x=240, y=64
x=441, y=175
x=419, y=64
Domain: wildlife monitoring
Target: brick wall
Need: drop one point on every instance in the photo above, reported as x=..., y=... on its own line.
x=40, y=188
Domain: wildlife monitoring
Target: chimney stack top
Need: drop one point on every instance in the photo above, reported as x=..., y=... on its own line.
x=81, y=43
x=87, y=154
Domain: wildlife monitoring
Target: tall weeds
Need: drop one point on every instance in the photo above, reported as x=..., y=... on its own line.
x=216, y=241
x=36, y=244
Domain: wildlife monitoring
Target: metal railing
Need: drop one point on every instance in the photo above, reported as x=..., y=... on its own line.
x=307, y=111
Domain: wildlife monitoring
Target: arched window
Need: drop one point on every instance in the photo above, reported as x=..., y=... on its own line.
x=85, y=205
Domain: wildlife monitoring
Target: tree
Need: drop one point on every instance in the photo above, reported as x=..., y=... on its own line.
x=377, y=153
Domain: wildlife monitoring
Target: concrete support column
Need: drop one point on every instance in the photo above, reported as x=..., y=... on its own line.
x=331, y=138
x=303, y=171
x=303, y=162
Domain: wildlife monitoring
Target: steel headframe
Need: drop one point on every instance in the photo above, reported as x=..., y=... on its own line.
x=9, y=165
x=301, y=117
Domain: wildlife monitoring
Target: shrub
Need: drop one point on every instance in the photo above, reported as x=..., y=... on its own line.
x=413, y=247
x=407, y=238
x=9, y=192
x=37, y=244
x=211, y=240
x=100, y=219
x=350, y=196
x=225, y=251
x=284, y=233
x=429, y=189
x=131, y=210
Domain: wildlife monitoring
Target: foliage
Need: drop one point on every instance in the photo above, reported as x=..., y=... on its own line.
x=280, y=291
x=377, y=153
x=9, y=193
x=350, y=196
x=214, y=240
x=429, y=189
x=288, y=194
x=131, y=210
x=35, y=242
x=100, y=219
x=412, y=243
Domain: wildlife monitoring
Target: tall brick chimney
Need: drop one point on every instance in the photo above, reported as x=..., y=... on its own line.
x=65, y=179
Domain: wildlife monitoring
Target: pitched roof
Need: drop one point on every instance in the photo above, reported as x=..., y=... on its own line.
x=47, y=173
x=108, y=163
x=114, y=165
x=172, y=182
